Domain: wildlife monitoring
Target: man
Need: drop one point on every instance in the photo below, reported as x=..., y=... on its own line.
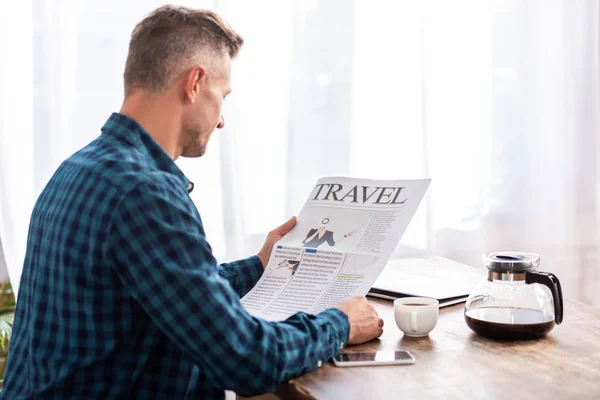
x=120, y=296
x=316, y=237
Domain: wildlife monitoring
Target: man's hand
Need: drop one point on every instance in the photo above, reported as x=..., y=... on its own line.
x=365, y=323
x=265, y=253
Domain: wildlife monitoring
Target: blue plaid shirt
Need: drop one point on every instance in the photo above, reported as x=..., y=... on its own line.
x=121, y=297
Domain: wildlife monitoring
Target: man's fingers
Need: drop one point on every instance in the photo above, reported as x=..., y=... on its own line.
x=286, y=227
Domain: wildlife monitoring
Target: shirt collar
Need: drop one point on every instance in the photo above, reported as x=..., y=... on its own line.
x=129, y=130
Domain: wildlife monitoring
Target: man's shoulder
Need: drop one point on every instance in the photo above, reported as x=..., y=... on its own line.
x=120, y=167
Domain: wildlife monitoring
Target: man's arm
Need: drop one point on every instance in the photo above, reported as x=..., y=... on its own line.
x=243, y=274
x=158, y=250
x=330, y=240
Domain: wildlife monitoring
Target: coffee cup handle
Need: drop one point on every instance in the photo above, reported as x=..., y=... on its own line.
x=413, y=322
x=553, y=284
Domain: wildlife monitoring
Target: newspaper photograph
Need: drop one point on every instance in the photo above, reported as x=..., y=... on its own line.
x=345, y=234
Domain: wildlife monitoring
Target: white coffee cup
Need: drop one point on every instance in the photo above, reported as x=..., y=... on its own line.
x=416, y=316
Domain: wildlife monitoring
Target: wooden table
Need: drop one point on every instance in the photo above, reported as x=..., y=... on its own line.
x=454, y=363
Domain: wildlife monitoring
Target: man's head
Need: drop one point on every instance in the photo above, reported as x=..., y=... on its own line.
x=324, y=222
x=184, y=54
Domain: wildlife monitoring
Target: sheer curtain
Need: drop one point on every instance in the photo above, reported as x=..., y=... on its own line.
x=496, y=101
x=16, y=135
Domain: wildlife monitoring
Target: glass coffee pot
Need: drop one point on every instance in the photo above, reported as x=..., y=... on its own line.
x=515, y=302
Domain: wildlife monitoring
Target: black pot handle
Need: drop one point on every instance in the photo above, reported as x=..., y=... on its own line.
x=553, y=284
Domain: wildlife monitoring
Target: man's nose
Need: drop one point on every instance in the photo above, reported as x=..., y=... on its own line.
x=221, y=122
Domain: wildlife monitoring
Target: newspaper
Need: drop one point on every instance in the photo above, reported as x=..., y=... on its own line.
x=344, y=236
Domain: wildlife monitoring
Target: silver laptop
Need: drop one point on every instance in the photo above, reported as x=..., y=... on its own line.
x=447, y=281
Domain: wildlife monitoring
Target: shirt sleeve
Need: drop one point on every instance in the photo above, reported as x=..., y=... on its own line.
x=158, y=249
x=330, y=240
x=243, y=274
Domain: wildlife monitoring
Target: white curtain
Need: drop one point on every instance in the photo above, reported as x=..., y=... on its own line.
x=496, y=101
x=17, y=150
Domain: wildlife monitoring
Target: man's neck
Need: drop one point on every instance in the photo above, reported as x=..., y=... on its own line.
x=158, y=117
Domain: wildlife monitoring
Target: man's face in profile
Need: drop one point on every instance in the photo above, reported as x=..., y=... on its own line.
x=202, y=117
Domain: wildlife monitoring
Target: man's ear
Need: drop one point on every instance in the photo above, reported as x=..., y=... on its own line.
x=193, y=82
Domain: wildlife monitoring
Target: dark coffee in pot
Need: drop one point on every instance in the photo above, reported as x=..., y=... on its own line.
x=509, y=323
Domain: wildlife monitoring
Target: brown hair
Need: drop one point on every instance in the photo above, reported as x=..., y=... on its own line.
x=163, y=44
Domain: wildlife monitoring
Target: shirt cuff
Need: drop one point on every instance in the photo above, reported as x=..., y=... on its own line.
x=242, y=274
x=252, y=270
x=340, y=324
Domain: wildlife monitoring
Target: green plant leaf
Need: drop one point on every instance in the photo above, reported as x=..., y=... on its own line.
x=7, y=297
x=7, y=310
x=5, y=331
x=8, y=318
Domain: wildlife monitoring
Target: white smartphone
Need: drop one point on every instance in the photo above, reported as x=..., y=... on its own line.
x=374, y=358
